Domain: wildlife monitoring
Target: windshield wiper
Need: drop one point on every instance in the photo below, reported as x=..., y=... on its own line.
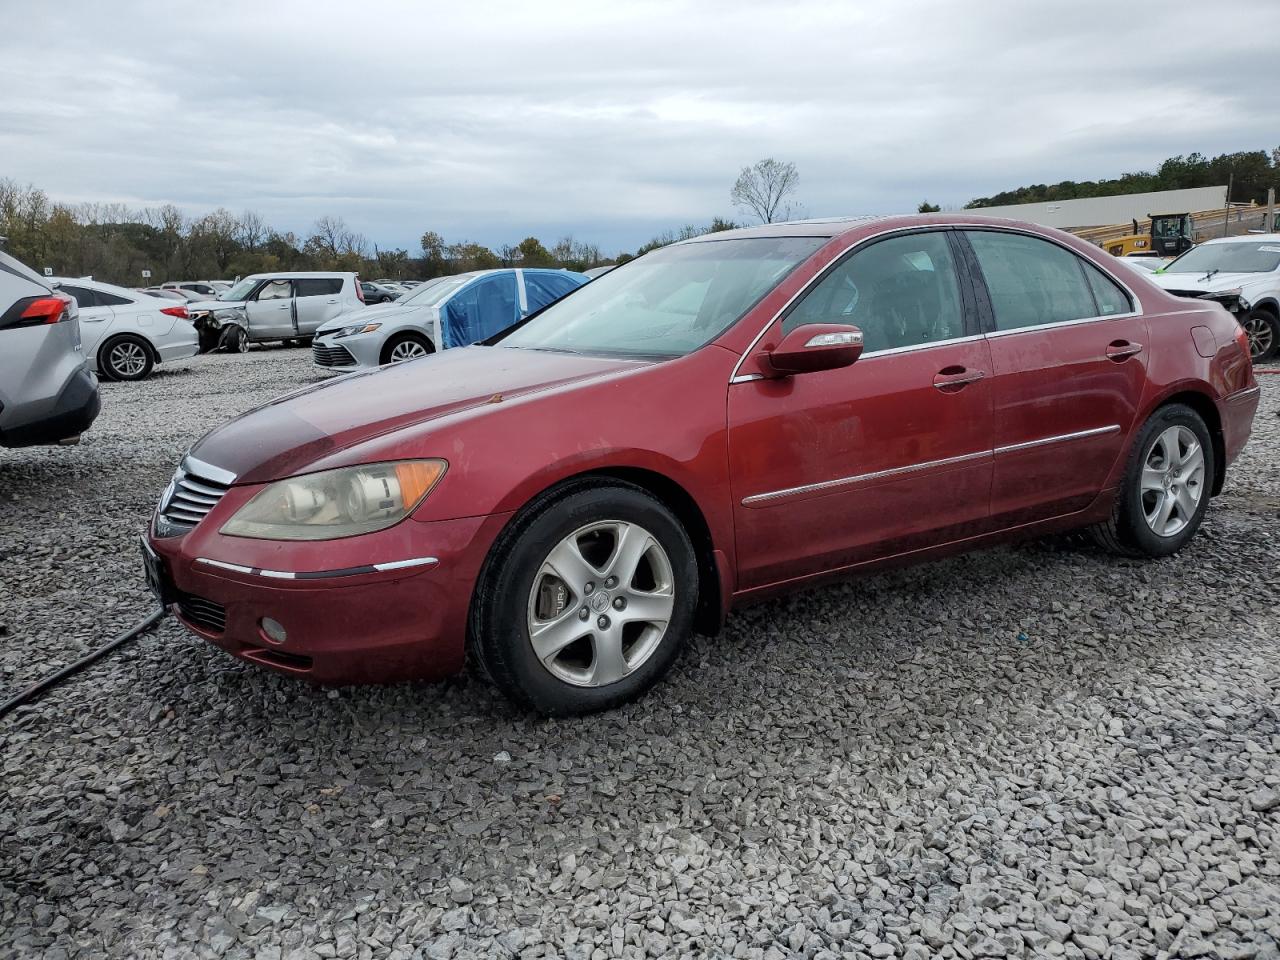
x=1209, y=276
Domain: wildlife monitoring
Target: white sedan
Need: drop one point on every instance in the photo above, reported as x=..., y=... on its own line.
x=126, y=332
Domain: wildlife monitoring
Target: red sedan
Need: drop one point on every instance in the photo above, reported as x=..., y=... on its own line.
x=719, y=420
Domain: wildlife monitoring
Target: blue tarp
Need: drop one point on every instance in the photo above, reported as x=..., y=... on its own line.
x=492, y=303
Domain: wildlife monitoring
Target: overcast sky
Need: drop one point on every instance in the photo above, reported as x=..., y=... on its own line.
x=612, y=121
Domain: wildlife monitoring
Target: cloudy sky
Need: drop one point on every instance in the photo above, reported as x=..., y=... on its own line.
x=612, y=121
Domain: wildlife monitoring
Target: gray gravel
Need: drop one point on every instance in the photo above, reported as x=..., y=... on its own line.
x=1038, y=750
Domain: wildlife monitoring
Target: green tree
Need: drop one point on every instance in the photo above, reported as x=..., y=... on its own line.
x=927, y=207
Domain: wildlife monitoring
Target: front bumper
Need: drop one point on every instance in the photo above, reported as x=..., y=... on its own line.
x=347, y=621
x=359, y=352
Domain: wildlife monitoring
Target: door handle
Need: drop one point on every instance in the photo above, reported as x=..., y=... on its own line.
x=284, y=306
x=952, y=379
x=333, y=300
x=1119, y=350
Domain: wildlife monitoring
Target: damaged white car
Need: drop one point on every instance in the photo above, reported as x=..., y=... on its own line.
x=1241, y=273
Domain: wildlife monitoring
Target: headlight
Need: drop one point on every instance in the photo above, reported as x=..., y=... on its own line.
x=337, y=503
x=352, y=330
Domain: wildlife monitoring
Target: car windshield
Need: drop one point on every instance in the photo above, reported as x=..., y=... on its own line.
x=1236, y=257
x=433, y=291
x=667, y=303
x=240, y=290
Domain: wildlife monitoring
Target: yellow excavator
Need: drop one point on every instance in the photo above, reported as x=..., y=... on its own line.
x=1169, y=235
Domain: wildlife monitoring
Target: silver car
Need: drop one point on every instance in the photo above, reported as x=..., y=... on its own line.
x=274, y=306
x=47, y=392
x=442, y=313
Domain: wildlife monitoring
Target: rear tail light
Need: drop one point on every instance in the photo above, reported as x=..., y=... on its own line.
x=179, y=312
x=1242, y=339
x=360, y=290
x=37, y=311
x=43, y=310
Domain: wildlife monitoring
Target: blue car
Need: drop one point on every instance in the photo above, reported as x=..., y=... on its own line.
x=439, y=314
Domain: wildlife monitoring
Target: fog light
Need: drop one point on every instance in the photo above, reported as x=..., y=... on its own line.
x=273, y=630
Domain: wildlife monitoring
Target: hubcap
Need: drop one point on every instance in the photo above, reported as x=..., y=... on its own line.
x=1172, y=481
x=600, y=603
x=1261, y=335
x=128, y=359
x=408, y=350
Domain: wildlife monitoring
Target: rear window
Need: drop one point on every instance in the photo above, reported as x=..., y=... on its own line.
x=317, y=286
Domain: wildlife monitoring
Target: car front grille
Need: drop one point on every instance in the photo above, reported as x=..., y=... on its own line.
x=331, y=356
x=205, y=614
x=191, y=495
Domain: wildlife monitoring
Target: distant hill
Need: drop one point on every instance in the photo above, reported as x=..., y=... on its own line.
x=1254, y=171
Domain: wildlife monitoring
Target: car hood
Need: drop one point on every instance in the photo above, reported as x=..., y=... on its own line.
x=1196, y=281
x=286, y=436
x=215, y=305
x=376, y=313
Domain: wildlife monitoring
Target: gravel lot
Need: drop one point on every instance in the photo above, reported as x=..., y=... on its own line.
x=1033, y=750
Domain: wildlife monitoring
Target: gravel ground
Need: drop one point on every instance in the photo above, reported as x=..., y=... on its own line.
x=1039, y=750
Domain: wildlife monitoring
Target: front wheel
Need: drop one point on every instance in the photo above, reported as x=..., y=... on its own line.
x=236, y=340
x=1263, y=330
x=586, y=600
x=1166, y=486
x=406, y=346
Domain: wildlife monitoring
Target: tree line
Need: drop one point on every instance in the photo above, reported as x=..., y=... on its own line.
x=115, y=243
x=1248, y=172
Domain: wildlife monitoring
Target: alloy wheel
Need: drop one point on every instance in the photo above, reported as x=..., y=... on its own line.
x=1261, y=334
x=127, y=359
x=601, y=603
x=407, y=350
x=1172, y=481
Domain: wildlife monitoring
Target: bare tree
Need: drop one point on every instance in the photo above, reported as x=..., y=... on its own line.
x=253, y=230
x=763, y=189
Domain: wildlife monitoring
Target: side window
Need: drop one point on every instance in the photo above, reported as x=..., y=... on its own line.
x=317, y=286
x=274, y=290
x=481, y=309
x=109, y=299
x=542, y=288
x=83, y=296
x=1031, y=281
x=1112, y=300
x=899, y=292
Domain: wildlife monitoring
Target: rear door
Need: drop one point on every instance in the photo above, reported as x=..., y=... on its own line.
x=543, y=287
x=96, y=316
x=1068, y=347
x=271, y=311
x=316, y=301
x=887, y=456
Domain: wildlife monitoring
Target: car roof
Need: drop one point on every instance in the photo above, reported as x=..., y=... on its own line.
x=1247, y=238
x=301, y=274
x=832, y=227
x=97, y=285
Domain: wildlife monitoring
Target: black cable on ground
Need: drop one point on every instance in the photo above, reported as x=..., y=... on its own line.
x=54, y=679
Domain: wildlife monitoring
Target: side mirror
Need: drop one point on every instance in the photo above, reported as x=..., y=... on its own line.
x=815, y=346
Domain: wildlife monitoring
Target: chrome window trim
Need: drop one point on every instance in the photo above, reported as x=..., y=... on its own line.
x=864, y=477
x=207, y=470
x=320, y=574
x=1136, y=300
x=917, y=467
x=1061, y=323
x=1060, y=438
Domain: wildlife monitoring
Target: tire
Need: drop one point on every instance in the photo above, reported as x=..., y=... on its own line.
x=401, y=347
x=1152, y=480
x=518, y=597
x=1263, y=330
x=236, y=340
x=126, y=357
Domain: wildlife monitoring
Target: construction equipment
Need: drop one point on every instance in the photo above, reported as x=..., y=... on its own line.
x=1167, y=235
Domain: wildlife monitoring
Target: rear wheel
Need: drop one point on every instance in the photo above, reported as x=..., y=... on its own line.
x=406, y=346
x=1263, y=329
x=1165, y=490
x=126, y=358
x=586, y=600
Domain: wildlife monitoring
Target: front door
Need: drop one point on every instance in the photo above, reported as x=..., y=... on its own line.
x=271, y=311
x=887, y=456
x=1069, y=356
